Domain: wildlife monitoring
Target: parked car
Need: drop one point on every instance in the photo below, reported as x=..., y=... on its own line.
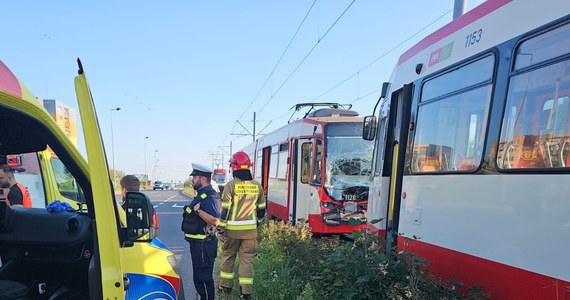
x=158, y=185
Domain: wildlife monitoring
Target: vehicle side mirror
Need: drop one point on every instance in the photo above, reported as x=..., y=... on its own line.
x=140, y=213
x=369, y=128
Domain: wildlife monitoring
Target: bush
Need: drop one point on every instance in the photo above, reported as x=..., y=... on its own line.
x=286, y=257
x=362, y=270
x=291, y=264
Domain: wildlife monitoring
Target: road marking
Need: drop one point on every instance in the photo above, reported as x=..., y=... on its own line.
x=177, y=249
x=161, y=203
x=176, y=205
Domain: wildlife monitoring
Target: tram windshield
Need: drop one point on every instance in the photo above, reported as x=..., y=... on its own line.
x=348, y=162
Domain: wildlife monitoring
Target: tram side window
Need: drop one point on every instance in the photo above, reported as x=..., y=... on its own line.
x=273, y=161
x=449, y=135
x=306, y=161
x=317, y=165
x=258, y=165
x=536, y=124
x=283, y=154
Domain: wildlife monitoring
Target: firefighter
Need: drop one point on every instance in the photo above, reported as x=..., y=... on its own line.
x=243, y=204
x=200, y=219
x=19, y=194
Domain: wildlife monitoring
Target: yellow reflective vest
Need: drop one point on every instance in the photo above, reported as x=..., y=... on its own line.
x=241, y=201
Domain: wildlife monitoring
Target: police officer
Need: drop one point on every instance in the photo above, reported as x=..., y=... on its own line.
x=200, y=219
x=243, y=204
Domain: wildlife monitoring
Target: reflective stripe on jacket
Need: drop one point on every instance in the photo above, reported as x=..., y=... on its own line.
x=240, y=201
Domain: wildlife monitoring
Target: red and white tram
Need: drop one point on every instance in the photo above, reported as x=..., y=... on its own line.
x=472, y=161
x=316, y=168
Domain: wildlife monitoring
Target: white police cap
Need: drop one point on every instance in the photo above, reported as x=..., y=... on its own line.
x=201, y=170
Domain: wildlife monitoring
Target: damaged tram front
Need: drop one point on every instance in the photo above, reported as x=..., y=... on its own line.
x=316, y=169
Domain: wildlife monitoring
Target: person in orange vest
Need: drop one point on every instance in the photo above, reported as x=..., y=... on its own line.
x=19, y=194
x=243, y=204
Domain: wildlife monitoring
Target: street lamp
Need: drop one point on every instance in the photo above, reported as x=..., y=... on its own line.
x=157, y=160
x=145, y=176
x=155, y=169
x=113, y=145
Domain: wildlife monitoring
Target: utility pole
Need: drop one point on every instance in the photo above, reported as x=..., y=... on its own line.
x=214, y=159
x=155, y=169
x=145, y=175
x=113, y=146
x=459, y=8
x=253, y=134
x=228, y=153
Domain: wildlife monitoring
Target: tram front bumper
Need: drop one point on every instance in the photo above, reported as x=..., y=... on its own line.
x=338, y=218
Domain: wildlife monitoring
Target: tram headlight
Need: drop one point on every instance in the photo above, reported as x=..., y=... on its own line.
x=327, y=205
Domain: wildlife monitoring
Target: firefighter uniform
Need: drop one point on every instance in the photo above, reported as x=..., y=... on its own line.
x=243, y=203
x=201, y=235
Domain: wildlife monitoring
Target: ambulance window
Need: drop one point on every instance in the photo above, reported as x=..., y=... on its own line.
x=66, y=183
x=27, y=172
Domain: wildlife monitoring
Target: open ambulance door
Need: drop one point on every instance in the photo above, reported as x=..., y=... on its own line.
x=105, y=272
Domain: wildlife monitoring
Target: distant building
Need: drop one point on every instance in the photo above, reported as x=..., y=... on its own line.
x=64, y=116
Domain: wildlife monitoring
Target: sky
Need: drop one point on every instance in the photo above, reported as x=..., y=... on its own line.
x=189, y=75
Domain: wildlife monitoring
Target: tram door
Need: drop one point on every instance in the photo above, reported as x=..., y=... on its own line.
x=397, y=139
x=265, y=156
x=299, y=188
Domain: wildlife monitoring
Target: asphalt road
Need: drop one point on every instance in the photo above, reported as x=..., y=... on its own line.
x=168, y=205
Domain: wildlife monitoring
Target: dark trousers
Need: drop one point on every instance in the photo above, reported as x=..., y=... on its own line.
x=204, y=254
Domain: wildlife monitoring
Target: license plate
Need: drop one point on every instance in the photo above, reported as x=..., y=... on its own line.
x=349, y=197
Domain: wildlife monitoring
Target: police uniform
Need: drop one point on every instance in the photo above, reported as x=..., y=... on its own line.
x=201, y=235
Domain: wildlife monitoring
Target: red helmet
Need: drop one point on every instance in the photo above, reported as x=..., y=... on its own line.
x=240, y=161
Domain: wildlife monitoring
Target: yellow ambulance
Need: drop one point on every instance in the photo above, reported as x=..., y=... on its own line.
x=83, y=247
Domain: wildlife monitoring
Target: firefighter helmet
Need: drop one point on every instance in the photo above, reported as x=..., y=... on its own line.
x=240, y=161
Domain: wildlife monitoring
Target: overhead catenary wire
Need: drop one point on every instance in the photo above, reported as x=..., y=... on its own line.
x=381, y=56
x=306, y=56
x=279, y=60
x=341, y=82
x=228, y=136
x=272, y=72
x=362, y=97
